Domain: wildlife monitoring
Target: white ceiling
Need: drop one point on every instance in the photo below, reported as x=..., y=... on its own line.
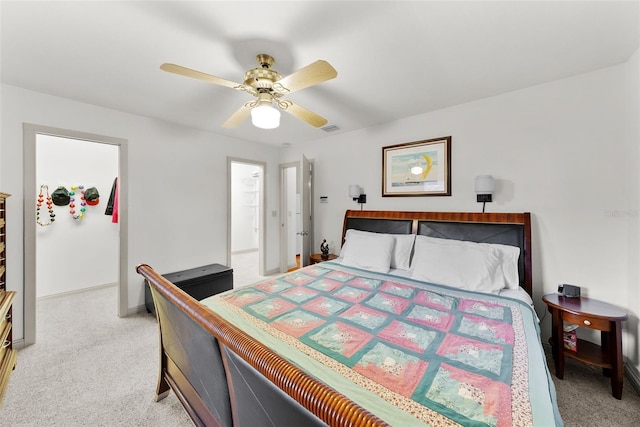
x=394, y=59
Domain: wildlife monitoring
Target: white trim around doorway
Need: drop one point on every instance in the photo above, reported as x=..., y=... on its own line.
x=30, y=131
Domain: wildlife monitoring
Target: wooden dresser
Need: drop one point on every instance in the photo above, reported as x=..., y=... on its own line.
x=8, y=354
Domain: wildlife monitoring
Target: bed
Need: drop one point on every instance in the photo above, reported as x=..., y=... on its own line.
x=425, y=318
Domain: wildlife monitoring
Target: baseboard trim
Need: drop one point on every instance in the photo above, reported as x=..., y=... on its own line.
x=139, y=309
x=632, y=374
x=18, y=344
x=78, y=291
x=272, y=272
x=244, y=251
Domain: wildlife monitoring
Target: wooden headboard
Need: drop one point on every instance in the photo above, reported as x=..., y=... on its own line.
x=505, y=228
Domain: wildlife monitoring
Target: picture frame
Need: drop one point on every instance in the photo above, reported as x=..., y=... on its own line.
x=419, y=168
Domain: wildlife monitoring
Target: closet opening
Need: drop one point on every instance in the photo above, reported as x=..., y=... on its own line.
x=76, y=245
x=246, y=220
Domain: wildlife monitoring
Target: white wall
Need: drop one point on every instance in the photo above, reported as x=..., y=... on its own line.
x=75, y=254
x=632, y=92
x=557, y=150
x=177, y=203
x=244, y=207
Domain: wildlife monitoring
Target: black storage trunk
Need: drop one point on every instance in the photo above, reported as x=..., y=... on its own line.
x=199, y=282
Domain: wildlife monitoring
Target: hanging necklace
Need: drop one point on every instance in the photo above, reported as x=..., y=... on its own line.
x=52, y=216
x=72, y=205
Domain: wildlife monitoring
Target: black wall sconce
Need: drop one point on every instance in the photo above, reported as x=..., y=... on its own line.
x=356, y=193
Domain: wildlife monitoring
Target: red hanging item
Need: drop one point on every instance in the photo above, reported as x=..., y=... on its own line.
x=114, y=215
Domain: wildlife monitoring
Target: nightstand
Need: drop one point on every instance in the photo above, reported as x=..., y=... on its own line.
x=316, y=258
x=593, y=314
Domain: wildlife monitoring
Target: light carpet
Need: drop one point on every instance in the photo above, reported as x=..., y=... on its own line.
x=89, y=368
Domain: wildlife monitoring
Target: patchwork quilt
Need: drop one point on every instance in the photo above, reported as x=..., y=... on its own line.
x=410, y=352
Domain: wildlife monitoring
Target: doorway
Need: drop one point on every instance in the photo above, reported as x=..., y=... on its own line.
x=296, y=208
x=246, y=220
x=290, y=260
x=31, y=134
x=76, y=166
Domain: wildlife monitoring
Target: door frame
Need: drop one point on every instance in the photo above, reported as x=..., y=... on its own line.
x=261, y=216
x=29, y=135
x=305, y=175
x=284, y=217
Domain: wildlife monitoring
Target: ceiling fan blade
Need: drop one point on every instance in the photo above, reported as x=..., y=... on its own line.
x=188, y=72
x=305, y=115
x=238, y=117
x=318, y=72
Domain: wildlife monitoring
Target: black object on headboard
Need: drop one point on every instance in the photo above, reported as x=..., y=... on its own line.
x=504, y=228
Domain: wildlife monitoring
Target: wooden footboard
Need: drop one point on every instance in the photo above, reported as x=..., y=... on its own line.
x=324, y=402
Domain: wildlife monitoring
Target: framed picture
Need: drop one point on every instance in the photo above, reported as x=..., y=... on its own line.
x=420, y=168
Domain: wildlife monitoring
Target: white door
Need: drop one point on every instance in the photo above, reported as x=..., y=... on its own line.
x=306, y=210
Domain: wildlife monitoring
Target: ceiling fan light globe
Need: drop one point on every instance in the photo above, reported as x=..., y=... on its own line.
x=265, y=117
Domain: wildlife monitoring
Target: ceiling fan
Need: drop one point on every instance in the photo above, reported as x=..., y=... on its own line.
x=268, y=86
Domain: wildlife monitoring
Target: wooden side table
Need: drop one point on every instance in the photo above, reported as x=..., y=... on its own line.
x=316, y=258
x=593, y=314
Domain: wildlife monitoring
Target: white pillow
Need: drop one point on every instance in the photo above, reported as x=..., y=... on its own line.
x=461, y=264
x=401, y=255
x=369, y=251
x=509, y=257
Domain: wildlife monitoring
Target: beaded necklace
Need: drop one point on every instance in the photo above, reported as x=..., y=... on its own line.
x=72, y=199
x=52, y=216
